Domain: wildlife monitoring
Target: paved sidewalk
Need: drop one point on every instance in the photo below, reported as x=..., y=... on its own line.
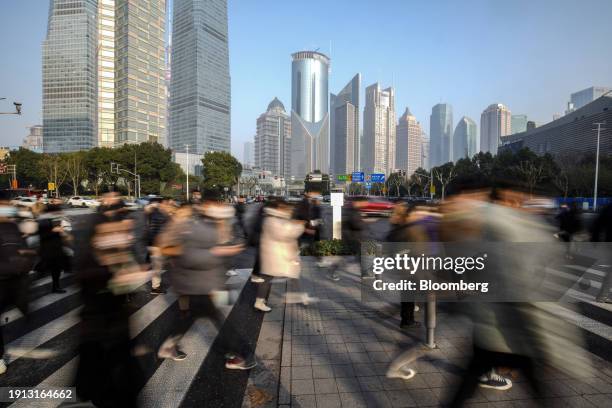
x=335, y=353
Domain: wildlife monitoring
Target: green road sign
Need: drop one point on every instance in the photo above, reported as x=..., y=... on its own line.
x=342, y=177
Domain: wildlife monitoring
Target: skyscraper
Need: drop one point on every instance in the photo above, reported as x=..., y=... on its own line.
x=465, y=139
x=344, y=128
x=69, y=69
x=586, y=96
x=309, y=113
x=248, y=157
x=379, y=130
x=409, y=141
x=440, y=134
x=273, y=140
x=518, y=124
x=140, y=105
x=425, y=151
x=495, y=122
x=200, y=82
x=34, y=140
x=106, y=73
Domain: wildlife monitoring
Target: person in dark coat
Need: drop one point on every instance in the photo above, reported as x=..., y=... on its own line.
x=51, y=251
x=569, y=225
x=157, y=217
x=198, y=255
x=602, y=232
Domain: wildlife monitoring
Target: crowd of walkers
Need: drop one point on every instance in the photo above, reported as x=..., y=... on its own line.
x=189, y=249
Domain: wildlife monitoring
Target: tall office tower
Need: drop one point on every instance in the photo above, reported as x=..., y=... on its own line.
x=106, y=73
x=273, y=140
x=440, y=134
x=200, y=83
x=344, y=128
x=495, y=122
x=425, y=151
x=408, y=146
x=309, y=113
x=465, y=139
x=140, y=105
x=248, y=156
x=379, y=130
x=34, y=140
x=586, y=96
x=69, y=71
x=518, y=124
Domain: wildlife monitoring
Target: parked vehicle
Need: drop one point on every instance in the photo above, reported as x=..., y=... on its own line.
x=377, y=207
x=24, y=201
x=83, y=202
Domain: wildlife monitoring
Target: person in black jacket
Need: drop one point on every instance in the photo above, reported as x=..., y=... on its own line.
x=157, y=217
x=569, y=225
x=51, y=251
x=602, y=232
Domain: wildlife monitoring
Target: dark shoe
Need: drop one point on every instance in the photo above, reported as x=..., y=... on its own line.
x=239, y=363
x=494, y=381
x=603, y=300
x=158, y=291
x=410, y=325
x=57, y=290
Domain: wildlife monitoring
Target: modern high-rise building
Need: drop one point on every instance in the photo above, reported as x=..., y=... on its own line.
x=309, y=113
x=586, y=96
x=140, y=90
x=409, y=143
x=200, y=99
x=248, y=155
x=440, y=134
x=518, y=124
x=344, y=128
x=106, y=73
x=465, y=139
x=273, y=140
x=425, y=151
x=34, y=140
x=69, y=71
x=495, y=122
x=378, y=155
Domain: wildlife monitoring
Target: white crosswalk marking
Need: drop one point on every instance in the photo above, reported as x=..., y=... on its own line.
x=14, y=314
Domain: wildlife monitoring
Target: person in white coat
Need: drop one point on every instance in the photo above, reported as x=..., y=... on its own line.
x=279, y=250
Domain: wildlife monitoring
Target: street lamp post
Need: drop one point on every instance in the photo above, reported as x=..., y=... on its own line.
x=17, y=109
x=598, y=124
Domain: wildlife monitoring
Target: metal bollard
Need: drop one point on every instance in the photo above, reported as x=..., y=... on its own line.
x=430, y=321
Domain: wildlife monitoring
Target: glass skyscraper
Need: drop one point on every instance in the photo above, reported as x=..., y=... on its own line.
x=465, y=139
x=200, y=97
x=272, y=141
x=69, y=69
x=495, y=122
x=518, y=124
x=309, y=113
x=440, y=134
x=409, y=143
x=344, y=128
x=140, y=104
x=106, y=73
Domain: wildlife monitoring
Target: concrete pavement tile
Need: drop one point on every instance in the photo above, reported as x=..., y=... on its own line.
x=373, y=346
x=424, y=397
x=319, y=349
x=377, y=399
x=303, y=401
x=301, y=372
x=325, y=386
x=369, y=384
x=359, y=357
x=557, y=388
x=321, y=359
x=424, y=366
x=328, y=401
x=478, y=396
x=333, y=338
x=297, y=349
x=380, y=368
x=434, y=380
x=348, y=384
x=600, y=385
x=302, y=387
x=390, y=384
x=444, y=394
x=600, y=400
x=323, y=371
x=582, y=387
x=316, y=340
x=364, y=369
x=337, y=348
x=401, y=399
x=343, y=370
x=415, y=382
x=577, y=402
x=300, y=360
x=379, y=356
x=355, y=347
x=352, y=400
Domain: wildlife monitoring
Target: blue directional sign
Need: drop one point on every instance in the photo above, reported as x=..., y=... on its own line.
x=358, y=177
x=377, y=178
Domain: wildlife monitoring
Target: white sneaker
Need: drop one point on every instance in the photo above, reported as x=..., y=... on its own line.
x=307, y=299
x=2, y=366
x=260, y=304
x=256, y=279
x=231, y=272
x=404, y=373
x=416, y=308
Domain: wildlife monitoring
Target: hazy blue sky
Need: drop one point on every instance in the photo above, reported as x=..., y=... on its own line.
x=529, y=55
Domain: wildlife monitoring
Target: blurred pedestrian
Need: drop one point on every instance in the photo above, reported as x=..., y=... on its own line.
x=253, y=240
x=157, y=215
x=198, y=247
x=51, y=249
x=569, y=225
x=16, y=262
x=602, y=232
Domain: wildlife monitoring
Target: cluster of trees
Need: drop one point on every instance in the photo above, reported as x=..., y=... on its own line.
x=89, y=172
x=567, y=175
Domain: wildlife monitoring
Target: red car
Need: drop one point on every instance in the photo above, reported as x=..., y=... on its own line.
x=378, y=207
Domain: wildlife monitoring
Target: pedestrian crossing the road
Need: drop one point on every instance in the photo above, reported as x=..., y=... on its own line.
x=42, y=348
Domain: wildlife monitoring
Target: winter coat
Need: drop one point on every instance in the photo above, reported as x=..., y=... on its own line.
x=196, y=271
x=279, y=245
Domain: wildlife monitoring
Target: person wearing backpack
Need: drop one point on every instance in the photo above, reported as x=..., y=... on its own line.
x=17, y=261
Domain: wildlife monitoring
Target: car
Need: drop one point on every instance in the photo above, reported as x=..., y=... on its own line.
x=83, y=202
x=24, y=201
x=377, y=207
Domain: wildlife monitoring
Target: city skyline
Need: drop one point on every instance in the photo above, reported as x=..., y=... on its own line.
x=421, y=83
